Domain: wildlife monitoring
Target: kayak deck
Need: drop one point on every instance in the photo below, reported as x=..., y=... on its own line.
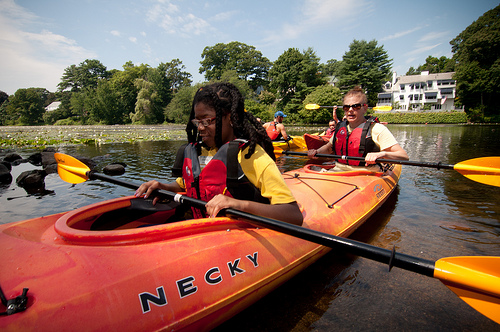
x=190, y=274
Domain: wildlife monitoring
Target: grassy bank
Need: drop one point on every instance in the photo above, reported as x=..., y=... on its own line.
x=424, y=117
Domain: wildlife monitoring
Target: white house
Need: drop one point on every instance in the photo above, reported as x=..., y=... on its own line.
x=53, y=106
x=433, y=92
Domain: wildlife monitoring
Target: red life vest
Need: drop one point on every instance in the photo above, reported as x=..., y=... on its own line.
x=272, y=132
x=221, y=175
x=329, y=132
x=358, y=143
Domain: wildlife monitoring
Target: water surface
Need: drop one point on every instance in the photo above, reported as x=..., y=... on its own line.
x=432, y=214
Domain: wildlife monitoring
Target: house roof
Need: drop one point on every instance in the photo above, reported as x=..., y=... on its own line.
x=424, y=78
x=53, y=106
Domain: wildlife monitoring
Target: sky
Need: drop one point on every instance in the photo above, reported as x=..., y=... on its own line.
x=39, y=39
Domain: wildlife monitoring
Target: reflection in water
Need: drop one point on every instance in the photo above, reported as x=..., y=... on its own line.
x=433, y=214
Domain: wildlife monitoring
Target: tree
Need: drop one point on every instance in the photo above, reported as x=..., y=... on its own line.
x=248, y=63
x=331, y=68
x=365, y=64
x=179, y=109
x=3, y=97
x=144, y=104
x=324, y=95
x=26, y=106
x=174, y=71
x=477, y=55
x=293, y=76
x=434, y=66
x=85, y=75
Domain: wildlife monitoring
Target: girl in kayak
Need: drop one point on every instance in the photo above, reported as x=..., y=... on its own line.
x=358, y=136
x=229, y=161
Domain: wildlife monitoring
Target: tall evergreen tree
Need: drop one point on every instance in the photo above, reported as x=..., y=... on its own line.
x=365, y=64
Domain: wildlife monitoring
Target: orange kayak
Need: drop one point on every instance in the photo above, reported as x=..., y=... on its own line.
x=123, y=264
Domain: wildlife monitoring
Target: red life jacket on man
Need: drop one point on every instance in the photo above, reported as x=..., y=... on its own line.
x=358, y=143
x=221, y=175
x=273, y=132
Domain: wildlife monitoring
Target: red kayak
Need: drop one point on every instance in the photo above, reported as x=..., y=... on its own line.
x=316, y=141
x=124, y=264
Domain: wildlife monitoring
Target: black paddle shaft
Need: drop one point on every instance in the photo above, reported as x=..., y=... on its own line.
x=437, y=165
x=392, y=258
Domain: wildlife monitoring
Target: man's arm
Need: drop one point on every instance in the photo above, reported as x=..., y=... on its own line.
x=282, y=130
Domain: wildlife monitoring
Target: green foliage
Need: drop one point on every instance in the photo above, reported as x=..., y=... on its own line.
x=331, y=68
x=365, y=64
x=260, y=110
x=67, y=122
x=231, y=76
x=85, y=75
x=477, y=53
x=422, y=118
x=26, y=107
x=294, y=75
x=248, y=63
x=180, y=107
x=324, y=95
x=144, y=104
x=174, y=72
x=434, y=66
x=267, y=97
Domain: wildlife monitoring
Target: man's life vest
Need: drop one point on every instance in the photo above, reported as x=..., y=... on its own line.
x=221, y=175
x=273, y=132
x=329, y=132
x=358, y=143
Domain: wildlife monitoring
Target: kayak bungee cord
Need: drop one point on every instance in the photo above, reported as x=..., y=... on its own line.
x=330, y=205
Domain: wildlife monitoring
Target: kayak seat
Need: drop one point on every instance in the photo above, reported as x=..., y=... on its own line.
x=140, y=213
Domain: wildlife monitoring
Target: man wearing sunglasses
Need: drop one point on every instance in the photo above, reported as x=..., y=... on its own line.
x=358, y=136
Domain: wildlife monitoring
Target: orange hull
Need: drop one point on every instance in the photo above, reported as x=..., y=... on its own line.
x=185, y=275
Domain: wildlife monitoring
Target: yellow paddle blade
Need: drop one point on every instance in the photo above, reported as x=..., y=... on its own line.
x=476, y=280
x=382, y=108
x=483, y=170
x=71, y=169
x=312, y=106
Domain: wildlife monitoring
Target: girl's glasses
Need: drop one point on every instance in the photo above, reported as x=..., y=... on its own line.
x=204, y=122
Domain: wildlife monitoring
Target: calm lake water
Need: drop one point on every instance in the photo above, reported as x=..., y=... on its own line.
x=432, y=214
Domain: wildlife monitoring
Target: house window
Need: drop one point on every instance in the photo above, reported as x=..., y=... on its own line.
x=401, y=97
x=429, y=84
x=402, y=87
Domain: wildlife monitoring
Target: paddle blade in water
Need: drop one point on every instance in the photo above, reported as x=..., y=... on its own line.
x=312, y=106
x=476, y=280
x=71, y=169
x=484, y=170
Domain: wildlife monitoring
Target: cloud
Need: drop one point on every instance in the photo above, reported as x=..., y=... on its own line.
x=132, y=39
x=115, y=33
x=401, y=34
x=168, y=17
x=32, y=59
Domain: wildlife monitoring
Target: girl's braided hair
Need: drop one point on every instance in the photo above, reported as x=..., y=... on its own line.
x=225, y=98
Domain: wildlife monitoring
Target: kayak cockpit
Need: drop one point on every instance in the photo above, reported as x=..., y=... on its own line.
x=131, y=220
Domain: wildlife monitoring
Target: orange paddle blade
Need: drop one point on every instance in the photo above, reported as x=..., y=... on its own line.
x=476, y=280
x=71, y=169
x=483, y=170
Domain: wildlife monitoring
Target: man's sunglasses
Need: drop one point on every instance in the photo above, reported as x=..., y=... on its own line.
x=355, y=107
